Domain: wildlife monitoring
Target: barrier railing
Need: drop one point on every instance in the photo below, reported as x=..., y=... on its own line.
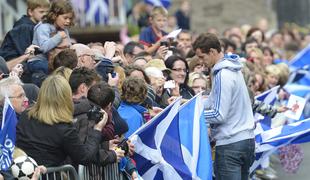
x=95, y=172
x=61, y=172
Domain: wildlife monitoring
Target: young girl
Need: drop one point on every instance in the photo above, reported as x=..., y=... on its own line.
x=51, y=35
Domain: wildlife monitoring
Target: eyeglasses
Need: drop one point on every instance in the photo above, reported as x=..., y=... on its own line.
x=180, y=70
x=92, y=56
x=199, y=87
x=23, y=95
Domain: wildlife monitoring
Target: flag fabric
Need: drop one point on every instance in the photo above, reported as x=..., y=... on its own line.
x=263, y=123
x=271, y=140
x=164, y=3
x=268, y=97
x=301, y=59
x=7, y=135
x=97, y=12
x=174, y=144
x=194, y=138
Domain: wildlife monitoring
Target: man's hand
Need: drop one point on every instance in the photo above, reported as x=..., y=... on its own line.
x=103, y=121
x=113, y=144
x=113, y=81
x=38, y=171
x=131, y=148
x=109, y=48
x=161, y=52
x=119, y=153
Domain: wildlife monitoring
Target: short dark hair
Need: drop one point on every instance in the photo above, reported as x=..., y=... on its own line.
x=142, y=54
x=254, y=29
x=267, y=48
x=66, y=58
x=170, y=63
x=130, y=46
x=101, y=94
x=184, y=31
x=131, y=68
x=206, y=41
x=248, y=41
x=225, y=43
x=82, y=75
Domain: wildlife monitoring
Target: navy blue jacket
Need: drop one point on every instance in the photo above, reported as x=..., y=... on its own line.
x=17, y=39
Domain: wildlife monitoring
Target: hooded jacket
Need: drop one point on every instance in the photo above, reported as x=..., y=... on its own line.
x=17, y=39
x=228, y=107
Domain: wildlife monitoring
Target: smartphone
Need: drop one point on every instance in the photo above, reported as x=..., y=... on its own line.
x=169, y=84
x=37, y=51
x=122, y=143
x=164, y=43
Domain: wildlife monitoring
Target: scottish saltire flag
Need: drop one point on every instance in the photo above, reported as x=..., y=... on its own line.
x=271, y=140
x=165, y=151
x=164, y=3
x=7, y=135
x=194, y=138
x=263, y=123
x=268, y=97
x=97, y=12
x=301, y=59
x=298, y=89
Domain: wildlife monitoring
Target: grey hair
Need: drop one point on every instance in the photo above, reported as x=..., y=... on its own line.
x=5, y=86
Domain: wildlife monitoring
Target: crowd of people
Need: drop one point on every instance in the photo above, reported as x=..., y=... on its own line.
x=76, y=102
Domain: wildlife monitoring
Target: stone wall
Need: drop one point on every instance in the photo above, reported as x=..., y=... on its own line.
x=222, y=14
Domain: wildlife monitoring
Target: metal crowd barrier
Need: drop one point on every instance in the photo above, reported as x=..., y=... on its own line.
x=95, y=172
x=65, y=172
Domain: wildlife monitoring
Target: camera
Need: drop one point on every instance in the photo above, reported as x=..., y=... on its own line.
x=164, y=43
x=124, y=146
x=95, y=114
x=5, y=75
x=37, y=51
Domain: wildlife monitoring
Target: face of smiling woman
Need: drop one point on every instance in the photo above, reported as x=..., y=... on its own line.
x=178, y=72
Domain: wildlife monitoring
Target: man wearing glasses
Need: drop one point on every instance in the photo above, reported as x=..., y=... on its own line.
x=12, y=88
x=86, y=57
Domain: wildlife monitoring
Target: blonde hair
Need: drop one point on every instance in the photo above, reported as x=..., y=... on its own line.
x=195, y=75
x=54, y=103
x=64, y=72
x=32, y=4
x=121, y=75
x=18, y=152
x=159, y=10
x=284, y=73
x=273, y=70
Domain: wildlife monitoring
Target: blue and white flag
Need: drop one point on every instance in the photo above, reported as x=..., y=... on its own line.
x=268, y=97
x=7, y=135
x=97, y=12
x=164, y=3
x=194, y=138
x=301, y=59
x=263, y=123
x=271, y=140
x=174, y=144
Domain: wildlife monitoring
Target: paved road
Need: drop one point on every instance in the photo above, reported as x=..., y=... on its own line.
x=304, y=171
